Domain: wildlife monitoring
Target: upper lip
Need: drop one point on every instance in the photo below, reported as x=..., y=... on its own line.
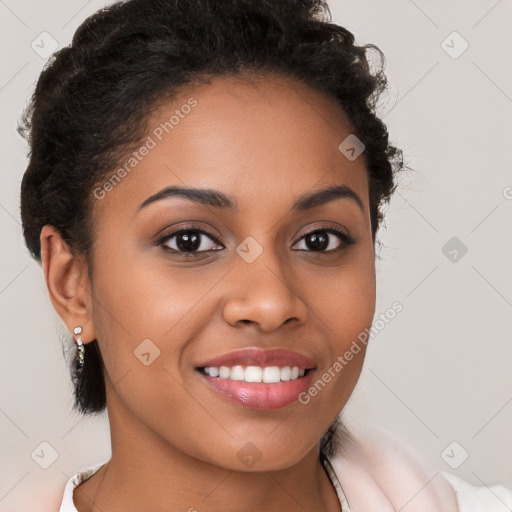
x=261, y=357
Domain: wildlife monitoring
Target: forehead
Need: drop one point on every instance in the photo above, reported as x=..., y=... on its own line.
x=258, y=138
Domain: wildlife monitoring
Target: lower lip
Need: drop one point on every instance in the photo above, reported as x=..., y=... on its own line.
x=256, y=395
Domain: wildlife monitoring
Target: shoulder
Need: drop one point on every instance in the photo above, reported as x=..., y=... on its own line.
x=378, y=471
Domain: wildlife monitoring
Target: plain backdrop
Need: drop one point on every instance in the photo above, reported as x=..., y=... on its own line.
x=438, y=375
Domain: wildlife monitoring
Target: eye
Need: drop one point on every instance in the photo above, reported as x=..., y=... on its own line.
x=188, y=241
x=325, y=240
x=191, y=241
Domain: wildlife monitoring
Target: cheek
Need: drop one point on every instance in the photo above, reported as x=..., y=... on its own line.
x=142, y=318
x=347, y=300
x=348, y=308
x=354, y=309
x=146, y=310
x=145, y=298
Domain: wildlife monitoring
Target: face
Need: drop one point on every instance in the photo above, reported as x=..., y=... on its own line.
x=251, y=274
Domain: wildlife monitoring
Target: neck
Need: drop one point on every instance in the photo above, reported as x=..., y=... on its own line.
x=147, y=473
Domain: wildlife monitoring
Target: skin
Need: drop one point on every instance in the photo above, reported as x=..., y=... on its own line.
x=264, y=142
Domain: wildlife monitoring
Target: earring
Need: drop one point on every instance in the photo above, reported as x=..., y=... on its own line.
x=81, y=351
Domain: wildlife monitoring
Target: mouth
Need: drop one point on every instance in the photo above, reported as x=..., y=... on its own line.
x=259, y=379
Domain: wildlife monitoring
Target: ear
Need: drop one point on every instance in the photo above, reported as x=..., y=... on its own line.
x=68, y=283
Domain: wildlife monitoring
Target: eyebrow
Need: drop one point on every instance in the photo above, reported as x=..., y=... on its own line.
x=217, y=199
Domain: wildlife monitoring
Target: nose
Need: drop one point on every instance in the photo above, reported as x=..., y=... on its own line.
x=261, y=294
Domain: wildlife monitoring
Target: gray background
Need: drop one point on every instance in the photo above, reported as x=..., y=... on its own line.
x=439, y=372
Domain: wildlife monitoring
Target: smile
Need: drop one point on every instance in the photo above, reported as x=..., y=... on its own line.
x=257, y=378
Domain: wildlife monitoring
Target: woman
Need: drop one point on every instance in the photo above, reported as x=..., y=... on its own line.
x=205, y=185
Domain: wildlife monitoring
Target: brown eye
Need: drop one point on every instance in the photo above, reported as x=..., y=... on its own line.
x=325, y=240
x=187, y=241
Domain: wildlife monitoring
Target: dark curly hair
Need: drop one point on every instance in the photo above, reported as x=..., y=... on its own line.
x=93, y=99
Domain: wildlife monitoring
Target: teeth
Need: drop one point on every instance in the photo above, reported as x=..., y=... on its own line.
x=213, y=371
x=253, y=374
x=224, y=372
x=237, y=373
x=271, y=374
x=268, y=374
x=286, y=373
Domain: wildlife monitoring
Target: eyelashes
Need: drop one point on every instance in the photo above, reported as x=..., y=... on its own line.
x=192, y=241
x=189, y=237
x=317, y=238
